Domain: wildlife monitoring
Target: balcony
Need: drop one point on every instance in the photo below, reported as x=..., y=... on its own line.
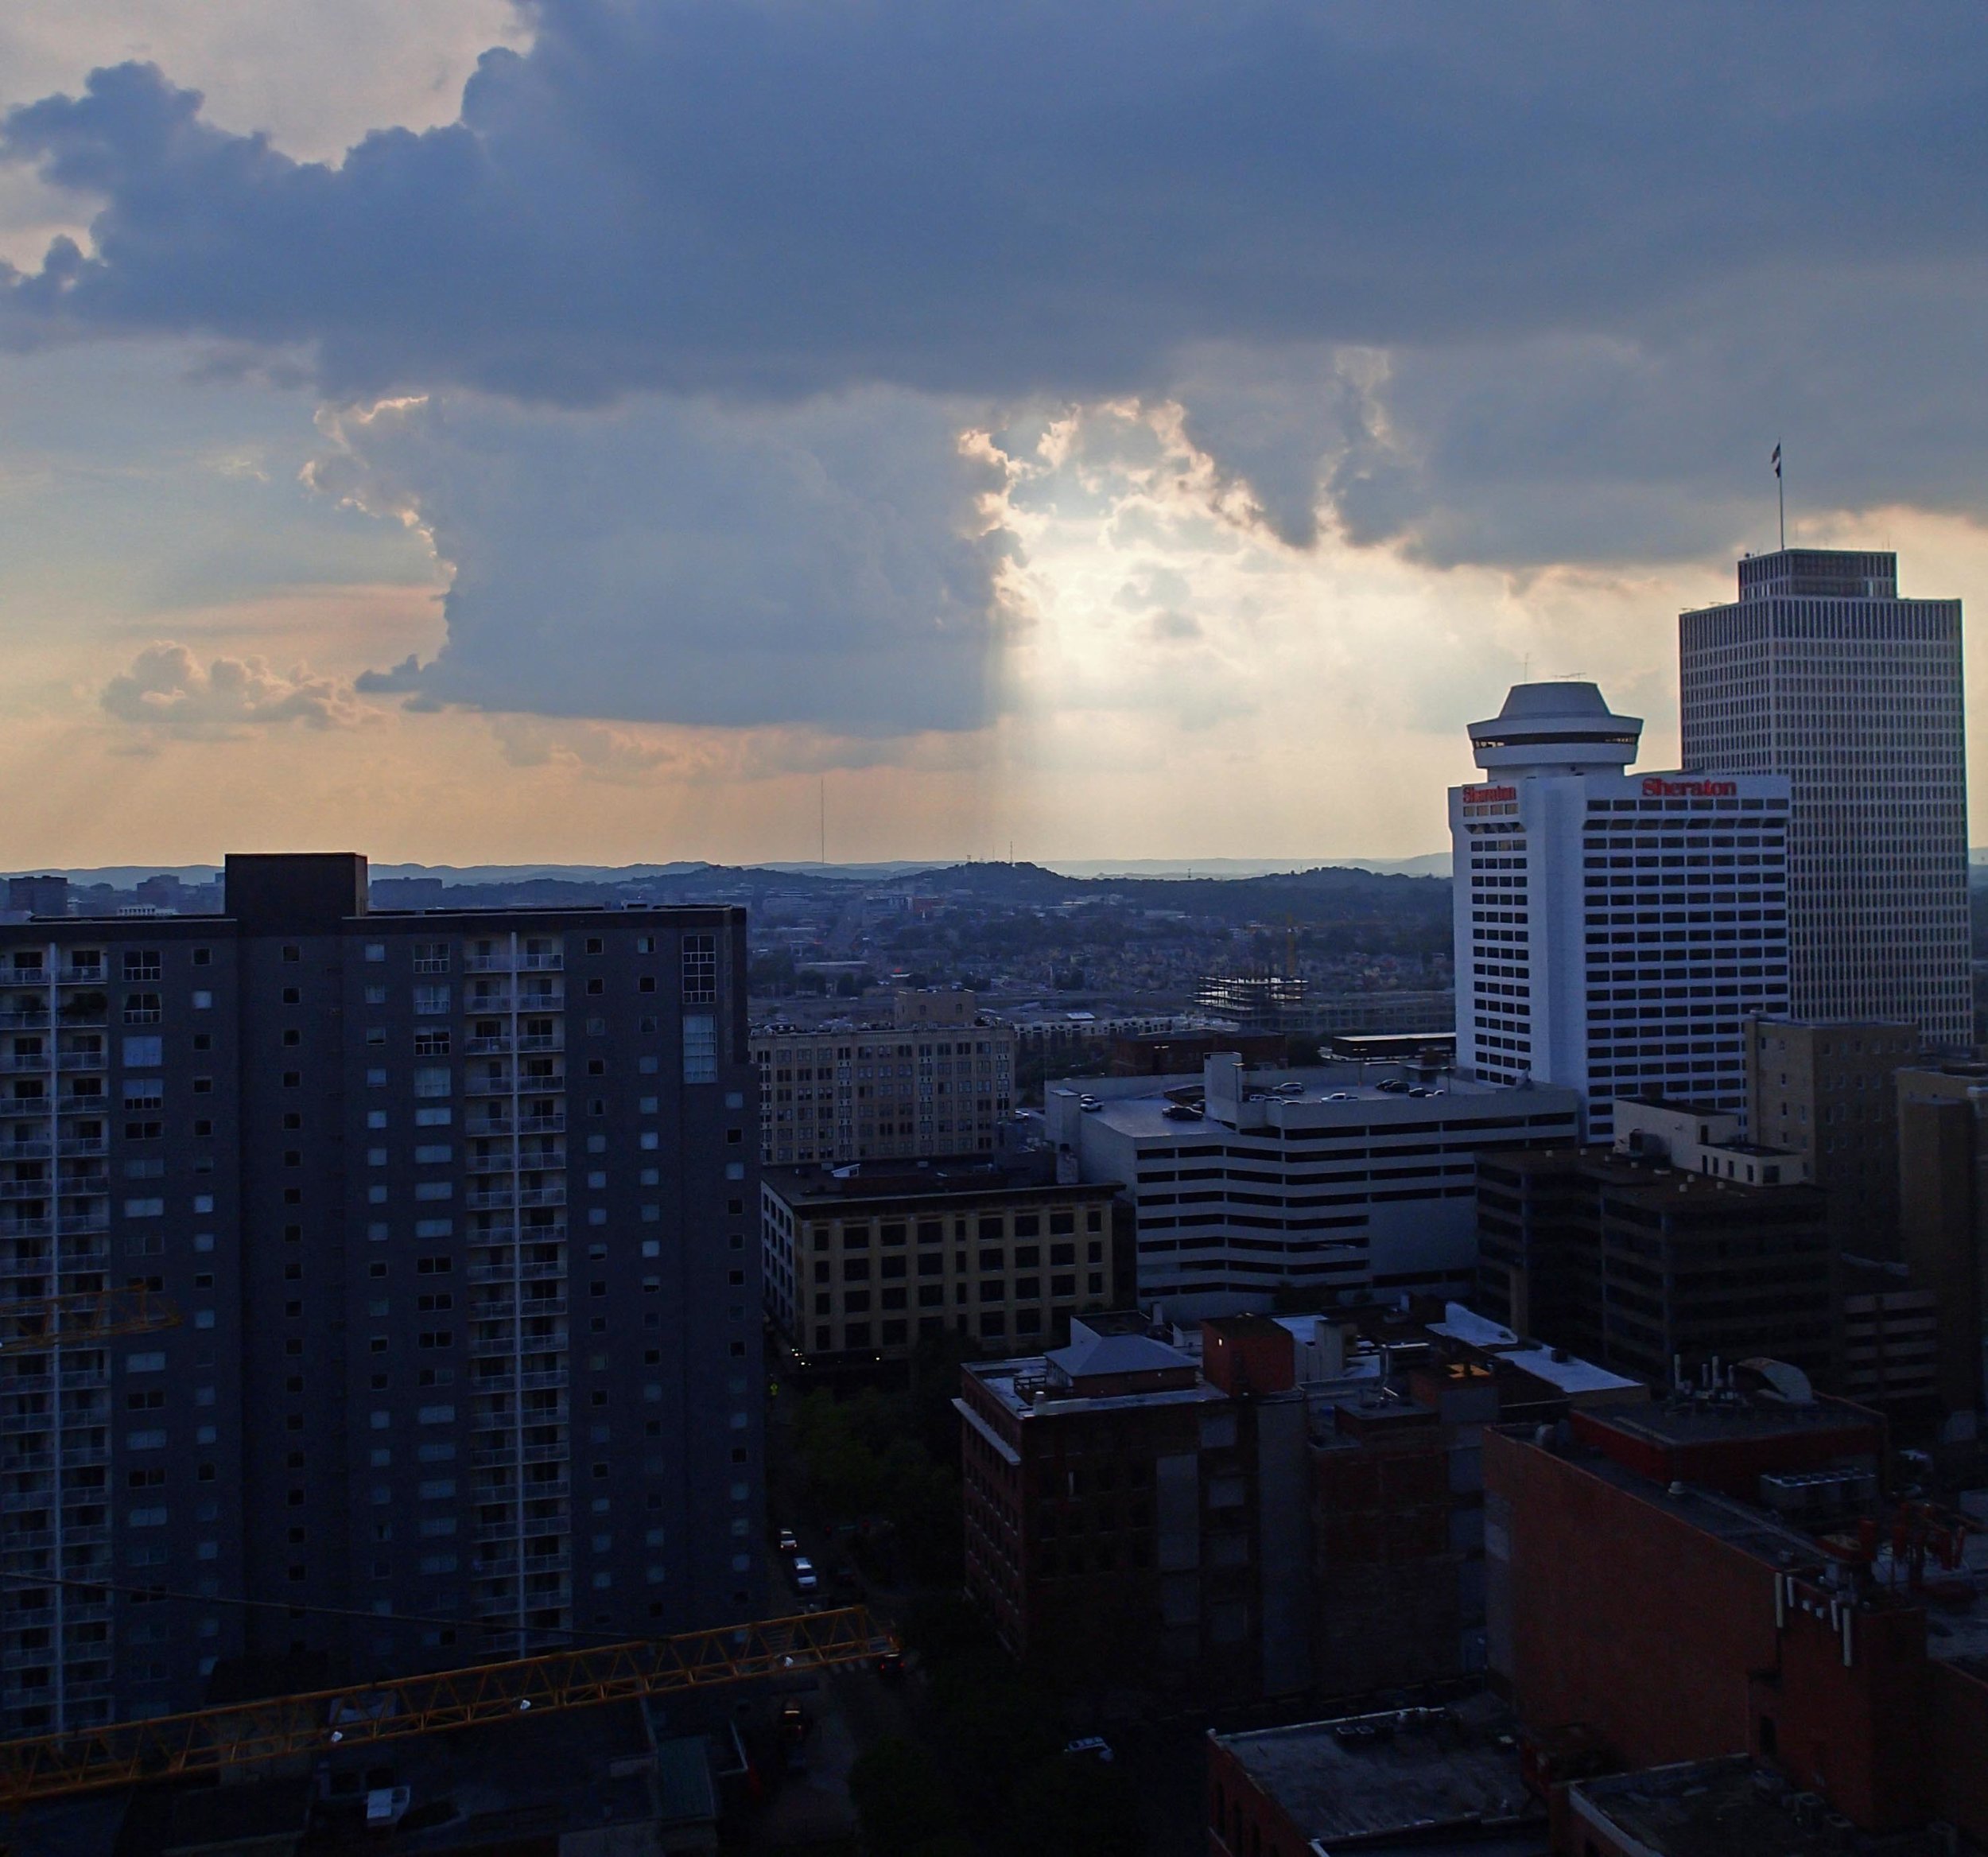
x=494, y=1126
x=90, y=976
x=85, y=1060
x=41, y=1108
x=551, y=1195
x=487, y=1457
x=25, y=1189
x=35, y=975
x=541, y=1041
x=507, y=1381
x=83, y=1144
x=28, y=1147
x=26, y=1228
x=18, y=1019
x=24, y=1064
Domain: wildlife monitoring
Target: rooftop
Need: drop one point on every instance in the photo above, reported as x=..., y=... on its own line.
x=1410, y=1774
x=1554, y=1366
x=1712, y=1807
x=1331, y=1099
x=967, y=1176
x=1697, y=1419
x=1027, y=1389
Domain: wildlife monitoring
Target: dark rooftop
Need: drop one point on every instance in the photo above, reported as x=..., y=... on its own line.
x=1366, y=1781
x=1714, y=1808
x=1698, y=1419
x=965, y=1176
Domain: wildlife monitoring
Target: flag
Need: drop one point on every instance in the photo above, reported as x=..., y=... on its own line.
x=1777, y=460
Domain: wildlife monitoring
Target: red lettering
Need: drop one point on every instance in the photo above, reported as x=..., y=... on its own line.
x=1475, y=795
x=1655, y=787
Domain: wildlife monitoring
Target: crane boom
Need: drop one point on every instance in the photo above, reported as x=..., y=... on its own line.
x=33, y=1325
x=246, y=1734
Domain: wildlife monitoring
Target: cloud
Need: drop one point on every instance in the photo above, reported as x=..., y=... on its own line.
x=167, y=690
x=673, y=341
x=838, y=563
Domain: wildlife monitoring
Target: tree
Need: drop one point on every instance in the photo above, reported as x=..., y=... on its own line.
x=901, y=1802
x=1075, y=1806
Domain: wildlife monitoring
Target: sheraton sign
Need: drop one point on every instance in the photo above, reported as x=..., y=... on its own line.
x=1477, y=795
x=1655, y=787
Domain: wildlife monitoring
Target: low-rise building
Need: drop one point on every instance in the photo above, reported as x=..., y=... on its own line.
x=1433, y=1781
x=1341, y=1180
x=861, y=1261
x=1722, y=1574
x=1185, y=1509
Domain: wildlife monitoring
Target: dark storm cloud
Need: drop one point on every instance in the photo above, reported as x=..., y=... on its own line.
x=774, y=197
x=701, y=290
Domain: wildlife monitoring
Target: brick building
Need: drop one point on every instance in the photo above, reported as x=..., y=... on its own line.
x=1714, y=1576
x=1193, y=1512
x=861, y=1261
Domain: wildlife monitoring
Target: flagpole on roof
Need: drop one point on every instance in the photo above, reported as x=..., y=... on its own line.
x=1781, y=494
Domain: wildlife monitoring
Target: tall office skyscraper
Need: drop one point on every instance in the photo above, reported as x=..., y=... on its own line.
x=1820, y=671
x=454, y=1207
x=1614, y=930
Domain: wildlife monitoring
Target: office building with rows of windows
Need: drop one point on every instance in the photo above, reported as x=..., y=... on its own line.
x=925, y=1082
x=1614, y=931
x=453, y=1210
x=860, y=1262
x=1346, y=1182
x=1820, y=673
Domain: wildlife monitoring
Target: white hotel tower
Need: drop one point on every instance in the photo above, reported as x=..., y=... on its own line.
x=1614, y=931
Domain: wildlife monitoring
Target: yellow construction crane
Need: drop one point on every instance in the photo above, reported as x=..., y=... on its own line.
x=248, y=1735
x=36, y=1325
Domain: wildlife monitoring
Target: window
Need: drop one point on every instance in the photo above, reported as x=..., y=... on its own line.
x=700, y=1041
x=141, y=1009
x=430, y=1080
x=144, y=1054
x=141, y=964
x=431, y=1000
x=700, y=970
x=431, y=957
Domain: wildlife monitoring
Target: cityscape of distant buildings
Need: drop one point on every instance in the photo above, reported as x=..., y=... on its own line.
x=1543, y=1349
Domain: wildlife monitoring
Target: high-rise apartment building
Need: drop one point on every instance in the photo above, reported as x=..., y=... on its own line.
x=455, y=1208
x=1821, y=673
x=934, y=1077
x=1614, y=931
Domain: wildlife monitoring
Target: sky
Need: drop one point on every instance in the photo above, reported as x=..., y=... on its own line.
x=626, y=430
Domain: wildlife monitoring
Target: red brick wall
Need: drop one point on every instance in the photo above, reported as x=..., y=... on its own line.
x=1855, y=1733
x=1735, y=1465
x=1241, y=1821
x=1957, y=1737
x=1625, y=1618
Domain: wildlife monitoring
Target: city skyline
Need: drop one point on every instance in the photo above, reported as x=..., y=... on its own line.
x=620, y=589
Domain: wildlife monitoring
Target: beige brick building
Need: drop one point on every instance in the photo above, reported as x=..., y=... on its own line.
x=915, y=1086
